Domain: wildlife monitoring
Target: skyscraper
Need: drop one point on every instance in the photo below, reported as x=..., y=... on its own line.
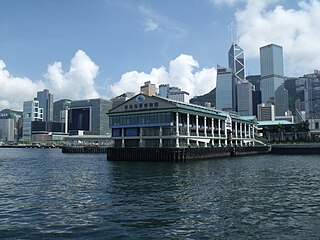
x=225, y=89
x=31, y=112
x=236, y=61
x=272, y=74
x=45, y=99
x=244, y=98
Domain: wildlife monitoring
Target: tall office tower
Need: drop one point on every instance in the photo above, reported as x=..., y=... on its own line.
x=31, y=112
x=225, y=89
x=236, y=61
x=266, y=112
x=271, y=67
x=148, y=89
x=312, y=98
x=244, y=98
x=281, y=98
x=45, y=99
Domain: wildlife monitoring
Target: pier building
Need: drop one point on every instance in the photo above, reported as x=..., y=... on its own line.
x=156, y=122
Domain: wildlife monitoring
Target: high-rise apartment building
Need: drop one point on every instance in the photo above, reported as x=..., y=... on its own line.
x=148, y=89
x=45, y=99
x=272, y=73
x=173, y=93
x=236, y=61
x=225, y=89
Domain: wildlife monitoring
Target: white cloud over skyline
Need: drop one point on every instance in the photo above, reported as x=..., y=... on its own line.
x=181, y=73
x=77, y=83
x=262, y=22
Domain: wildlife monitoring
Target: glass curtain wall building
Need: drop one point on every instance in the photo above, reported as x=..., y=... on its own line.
x=45, y=99
x=225, y=89
x=236, y=61
x=272, y=73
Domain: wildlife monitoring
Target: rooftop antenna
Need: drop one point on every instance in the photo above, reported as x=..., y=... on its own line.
x=232, y=31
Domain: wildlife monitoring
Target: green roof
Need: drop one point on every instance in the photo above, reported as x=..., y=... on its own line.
x=274, y=123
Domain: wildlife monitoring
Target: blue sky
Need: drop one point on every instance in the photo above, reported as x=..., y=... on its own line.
x=101, y=48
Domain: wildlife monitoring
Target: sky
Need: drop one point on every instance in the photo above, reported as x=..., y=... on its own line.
x=82, y=49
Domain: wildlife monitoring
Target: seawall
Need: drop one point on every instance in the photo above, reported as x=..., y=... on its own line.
x=292, y=149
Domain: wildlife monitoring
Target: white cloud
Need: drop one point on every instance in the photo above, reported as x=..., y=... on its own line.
x=77, y=83
x=181, y=73
x=15, y=90
x=150, y=25
x=297, y=30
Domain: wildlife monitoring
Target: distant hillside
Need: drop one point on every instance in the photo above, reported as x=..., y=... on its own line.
x=208, y=97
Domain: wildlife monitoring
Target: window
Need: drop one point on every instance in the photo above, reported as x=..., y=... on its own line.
x=151, y=104
x=140, y=105
x=135, y=106
x=156, y=104
x=130, y=107
x=146, y=105
x=126, y=107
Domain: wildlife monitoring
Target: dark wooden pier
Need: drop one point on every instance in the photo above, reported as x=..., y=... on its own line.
x=180, y=154
x=296, y=149
x=84, y=149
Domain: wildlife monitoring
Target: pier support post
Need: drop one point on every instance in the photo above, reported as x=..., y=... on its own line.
x=212, y=130
x=197, y=129
x=205, y=130
x=177, y=129
x=188, y=129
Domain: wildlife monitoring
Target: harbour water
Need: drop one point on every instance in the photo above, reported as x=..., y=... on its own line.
x=45, y=194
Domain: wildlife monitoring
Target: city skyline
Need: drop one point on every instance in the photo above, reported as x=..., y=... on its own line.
x=119, y=45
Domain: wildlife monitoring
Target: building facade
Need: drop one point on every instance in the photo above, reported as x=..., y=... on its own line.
x=148, y=89
x=31, y=112
x=272, y=73
x=45, y=99
x=173, y=93
x=236, y=61
x=90, y=115
x=244, y=98
x=145, y=121
x=266, y=112
x=225, y=89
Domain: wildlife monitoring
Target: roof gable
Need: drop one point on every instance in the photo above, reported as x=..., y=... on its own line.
x=143, y=102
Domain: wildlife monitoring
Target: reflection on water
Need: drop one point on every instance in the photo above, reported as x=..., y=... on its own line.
x=45, y=194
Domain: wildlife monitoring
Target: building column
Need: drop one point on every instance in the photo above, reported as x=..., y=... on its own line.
x=212, y=130
x=236, y=133
x=122, y=138
x=197, y=129
x=160, y=137
x=205, y=130
x=140, y=137
x=188, y=129
x=250, y=134
x=241, y=135
x=245, y=131
x=219, y=131
x=253, y=137
x=225, y=134
x=177, y=129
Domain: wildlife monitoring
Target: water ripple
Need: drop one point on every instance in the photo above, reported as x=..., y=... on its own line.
x=45, y=194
